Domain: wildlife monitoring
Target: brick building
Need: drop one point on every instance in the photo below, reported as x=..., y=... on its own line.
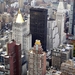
x=36, y=60
x=14, y=52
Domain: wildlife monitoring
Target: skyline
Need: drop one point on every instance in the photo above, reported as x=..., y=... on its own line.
x=37, y=37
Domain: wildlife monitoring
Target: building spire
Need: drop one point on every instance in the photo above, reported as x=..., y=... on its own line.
x=19, y=18
x=37, y=42
x=60, y=6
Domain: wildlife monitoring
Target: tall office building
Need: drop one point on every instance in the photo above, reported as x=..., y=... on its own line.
x=21, y=33
x=38, y=25
x=60, y=19
x=36, y=60
x=72, y=18
x=14, y=52
x=52, y=35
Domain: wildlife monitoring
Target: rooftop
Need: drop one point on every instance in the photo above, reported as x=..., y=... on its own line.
x=60, y=7
x=19, y=18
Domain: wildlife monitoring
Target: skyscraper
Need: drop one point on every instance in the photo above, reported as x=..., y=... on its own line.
x=38, y=25
x=72, y=18
x=36, y=60
x=14, y=52
x=60, y=19
x=21, y=32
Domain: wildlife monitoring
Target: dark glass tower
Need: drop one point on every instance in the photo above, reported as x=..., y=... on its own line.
x=38, y=25
x=73, y=21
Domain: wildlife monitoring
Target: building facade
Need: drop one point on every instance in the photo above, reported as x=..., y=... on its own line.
x=14, y=52
x=20, y=33
x=21, y=3
x=68, y=68
x=36, y=60
x=2, y=5
x=60, y=19
x=38, y=25
x=60, y=55
x=72, y=18
x=52, y=35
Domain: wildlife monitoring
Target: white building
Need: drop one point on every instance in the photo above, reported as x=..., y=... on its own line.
x=33, y=3
x=60, y=19
x=52, y=35
x=21, y=33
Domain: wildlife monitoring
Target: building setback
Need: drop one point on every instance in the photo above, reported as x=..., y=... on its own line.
x=36, y=60
x=14, y=52
x=38, y=25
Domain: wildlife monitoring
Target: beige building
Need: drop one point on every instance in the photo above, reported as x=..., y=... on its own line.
x=61, y=54
x=7, y=17
x=2, y=6
x=36, y=60
x=68, y=68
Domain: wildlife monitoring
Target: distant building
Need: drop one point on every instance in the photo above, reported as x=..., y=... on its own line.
x=71, y=48
x=3, y=41
x=60, y=55
x=7, y=65
x=21, y=3
x=68, y=68
x=8, y=34
x=4, y=62
x=2, y=5
x=54, y=0
x=38, y=25
x=60, y=20
x=14, y=52
x=33, y=3
x=36, y=60
x=7, y=17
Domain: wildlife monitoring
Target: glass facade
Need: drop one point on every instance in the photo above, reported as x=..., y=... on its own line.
x=73, y=22
x=38, y=25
